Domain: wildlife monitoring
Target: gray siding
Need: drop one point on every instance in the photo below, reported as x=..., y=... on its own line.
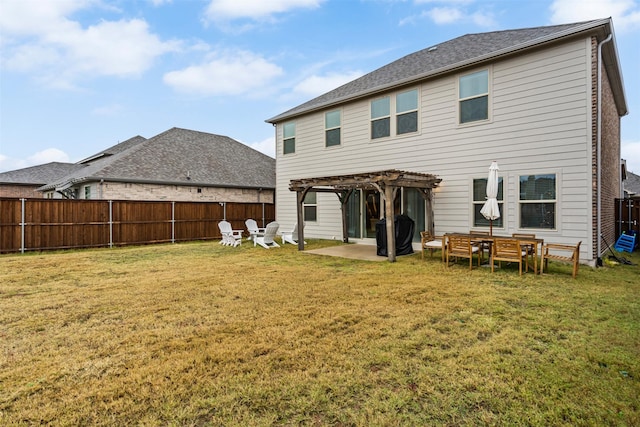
x=539, y=122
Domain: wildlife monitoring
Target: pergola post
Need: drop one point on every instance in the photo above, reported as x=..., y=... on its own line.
x=389, y=214
x=300, y=195
x=344, y=198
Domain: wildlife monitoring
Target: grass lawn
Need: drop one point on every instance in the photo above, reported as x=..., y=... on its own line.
x=200, y=334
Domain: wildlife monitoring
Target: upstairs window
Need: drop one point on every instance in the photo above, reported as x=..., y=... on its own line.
x=381, y=118
x=538, y=201
x=87, y=192
x=289, y=138
x=407, y=112
x=332, y=128
x=474, y=97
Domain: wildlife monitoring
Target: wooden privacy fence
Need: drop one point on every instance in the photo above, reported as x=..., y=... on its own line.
x=627, y=216
x=46, y=224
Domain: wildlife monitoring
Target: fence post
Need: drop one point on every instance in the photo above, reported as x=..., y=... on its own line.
x=110, y=223
x=22, y=224
x=263, y=219
x=173, y=222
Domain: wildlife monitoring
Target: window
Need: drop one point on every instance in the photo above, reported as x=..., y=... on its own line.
x=474, y=96
x=380, y=118
x=405, y=105
x=310, y=207
x=479, y=197
x=407, y=112
x=332, y=128
x=538, y=201
x=87, y=192
x=289, y=138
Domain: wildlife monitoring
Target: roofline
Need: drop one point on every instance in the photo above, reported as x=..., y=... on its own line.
x=95, y=157
x=91, y=179
x=586, y=27
x=23, y=184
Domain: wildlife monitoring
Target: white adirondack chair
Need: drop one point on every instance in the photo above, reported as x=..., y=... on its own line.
x=230, y=237
x=267, y=240
x=291, y=236
x=253, y=229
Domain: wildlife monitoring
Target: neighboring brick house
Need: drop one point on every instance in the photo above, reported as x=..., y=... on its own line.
x=544, y=102
x=632, y=185
x=25, y=182
x=178, y=164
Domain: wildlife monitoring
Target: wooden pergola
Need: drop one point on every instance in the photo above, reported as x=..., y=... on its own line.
x=385, y=182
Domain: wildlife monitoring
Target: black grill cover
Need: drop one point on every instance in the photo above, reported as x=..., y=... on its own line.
x=404, y=227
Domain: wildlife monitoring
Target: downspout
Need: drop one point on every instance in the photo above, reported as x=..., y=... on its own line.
x=598, y=150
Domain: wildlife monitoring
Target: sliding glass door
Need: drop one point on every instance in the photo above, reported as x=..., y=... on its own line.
x=364, y=209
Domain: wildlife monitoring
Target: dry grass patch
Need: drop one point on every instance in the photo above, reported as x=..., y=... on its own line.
x=200, y=334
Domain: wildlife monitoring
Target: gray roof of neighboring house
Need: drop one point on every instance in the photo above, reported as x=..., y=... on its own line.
x=125, y=145
x=465, y=51
x=180, y=157
x=38, y=175
x=632, y=183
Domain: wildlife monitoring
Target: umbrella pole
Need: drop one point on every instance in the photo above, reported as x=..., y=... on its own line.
x=490, y=227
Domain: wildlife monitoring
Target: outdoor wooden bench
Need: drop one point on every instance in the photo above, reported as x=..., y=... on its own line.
x=564, y=253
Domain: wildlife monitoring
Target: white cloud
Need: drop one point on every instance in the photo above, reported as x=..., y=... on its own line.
x=316, y=85
x=266, y=146
x=225, y=10
x=38, y=38
x=36, y=17
x=444, y=15
x=48, y=155
x=454, y=11
x=228, y=73
x=631, y=153
x=625, y=13
x=483, y=19
x=41, y=157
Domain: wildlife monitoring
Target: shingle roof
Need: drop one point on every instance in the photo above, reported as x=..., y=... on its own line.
x=181, y=157
x=632, y=183
x=451, y=55
x=125, y=145
x=38, y=175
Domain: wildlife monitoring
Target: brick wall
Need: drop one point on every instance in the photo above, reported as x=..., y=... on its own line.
x=610, y=161
x=23, y=191
x=609, y=152
x=134, y=191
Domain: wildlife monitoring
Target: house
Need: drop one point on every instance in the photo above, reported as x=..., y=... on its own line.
x=178, y=164
x=631, y=185
x=25, y=182
x=544, y=102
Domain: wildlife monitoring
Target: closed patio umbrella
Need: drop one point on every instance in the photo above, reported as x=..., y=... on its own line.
x=491, y=210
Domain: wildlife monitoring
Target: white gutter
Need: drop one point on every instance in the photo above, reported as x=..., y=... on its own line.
x=598, y=151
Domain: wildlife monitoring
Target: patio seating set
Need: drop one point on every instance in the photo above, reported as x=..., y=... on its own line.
x=263, y=236
x=519, y=248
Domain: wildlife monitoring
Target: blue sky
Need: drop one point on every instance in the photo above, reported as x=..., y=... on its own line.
x=78, y=76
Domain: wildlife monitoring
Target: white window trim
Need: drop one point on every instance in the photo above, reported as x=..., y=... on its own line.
x=416, y=110
x=304, y=204
x=295, y=142
x=556, y=201
x=393, y=115
x=502, y=203
x=324, y=118
x=490, y=95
